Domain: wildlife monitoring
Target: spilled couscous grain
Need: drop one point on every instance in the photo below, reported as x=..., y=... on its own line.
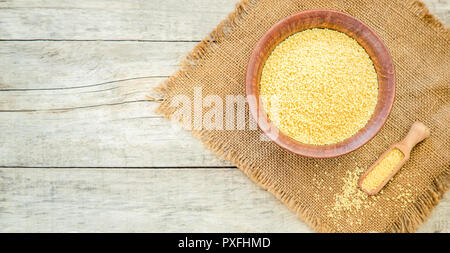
x=319, y=86
x=382, y=170
x=350, y=201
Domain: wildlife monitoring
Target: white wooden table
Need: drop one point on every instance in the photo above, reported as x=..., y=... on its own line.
x=80, y=146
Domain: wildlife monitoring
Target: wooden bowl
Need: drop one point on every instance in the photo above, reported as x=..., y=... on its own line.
x=349, y=25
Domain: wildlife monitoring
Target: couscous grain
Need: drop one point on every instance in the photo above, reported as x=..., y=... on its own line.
x=382, y=170
x=319, y=86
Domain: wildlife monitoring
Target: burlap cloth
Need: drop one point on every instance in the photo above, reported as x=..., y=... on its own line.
x=323, y=192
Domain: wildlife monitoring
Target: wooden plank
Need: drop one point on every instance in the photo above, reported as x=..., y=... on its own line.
x=138, y=200
x=123, y=134
x=78, y=97
x=125, y=20
x=111, y=20
x=149, y=200
x=47, y=65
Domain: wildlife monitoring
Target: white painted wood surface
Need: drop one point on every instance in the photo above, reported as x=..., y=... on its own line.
x=139, y=200
x=154, y=20
x=149, y=200
x=73, y=81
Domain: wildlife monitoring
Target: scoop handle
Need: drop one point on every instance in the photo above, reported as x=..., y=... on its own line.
x=416, y=134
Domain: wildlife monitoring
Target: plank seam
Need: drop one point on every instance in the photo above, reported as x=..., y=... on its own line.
x=113, y=167
x=102, y=40
x=85, y=86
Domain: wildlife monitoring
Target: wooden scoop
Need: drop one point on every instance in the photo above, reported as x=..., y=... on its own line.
x=416, y=134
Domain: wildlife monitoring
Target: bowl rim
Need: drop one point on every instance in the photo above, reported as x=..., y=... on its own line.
x=382, y=110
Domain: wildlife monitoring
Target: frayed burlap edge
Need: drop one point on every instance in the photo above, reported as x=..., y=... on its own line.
x=418, y=211
x=408, y=221
x=421, y=10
